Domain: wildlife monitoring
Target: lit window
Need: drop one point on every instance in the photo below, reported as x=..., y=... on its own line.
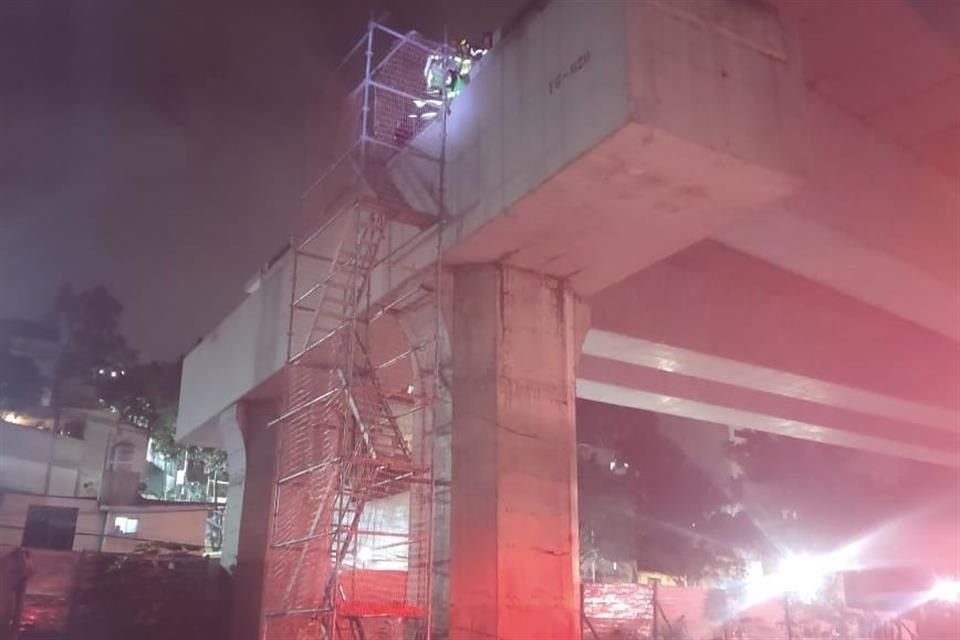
x=125, y=526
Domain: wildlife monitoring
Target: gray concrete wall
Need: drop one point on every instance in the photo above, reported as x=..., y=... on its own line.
x=231, y=438
x=717, y=74
x=246, y=348
x=552, y=88
x=260, y=445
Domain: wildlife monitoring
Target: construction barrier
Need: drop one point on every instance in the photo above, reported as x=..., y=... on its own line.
x=100, y=596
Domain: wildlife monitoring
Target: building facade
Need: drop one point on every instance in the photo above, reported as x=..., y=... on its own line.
x=78, y=488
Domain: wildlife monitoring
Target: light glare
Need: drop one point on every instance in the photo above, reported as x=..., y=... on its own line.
x=364, y=554
x=803, y=575
x=946, y=591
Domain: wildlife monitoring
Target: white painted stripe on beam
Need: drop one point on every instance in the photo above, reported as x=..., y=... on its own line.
x=786, y=239
x=644, y=353
x=739, y=419
x=709, y=392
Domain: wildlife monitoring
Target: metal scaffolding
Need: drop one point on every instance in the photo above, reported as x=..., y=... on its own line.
x=350, y=541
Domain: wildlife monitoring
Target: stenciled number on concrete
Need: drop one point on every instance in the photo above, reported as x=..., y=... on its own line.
x=575, y=66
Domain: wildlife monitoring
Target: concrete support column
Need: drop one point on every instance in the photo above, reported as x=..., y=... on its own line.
x=514, y=548
x=231, y=437
x=248, y=575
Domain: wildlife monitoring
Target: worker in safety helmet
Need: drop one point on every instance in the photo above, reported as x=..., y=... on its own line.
x=446, y=73
x=441, y=76
x=460, y=66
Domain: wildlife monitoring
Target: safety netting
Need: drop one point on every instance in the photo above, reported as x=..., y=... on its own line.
x=350, y=534
x=385, y=114
x=349, y=551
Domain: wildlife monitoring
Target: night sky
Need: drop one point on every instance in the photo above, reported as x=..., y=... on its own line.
x=158, y=148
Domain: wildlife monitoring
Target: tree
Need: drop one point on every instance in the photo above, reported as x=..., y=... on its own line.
x=147, y=395
x=93, y=345
x=21, y=385
x=98, y=369
x=816, y=497
x=650, y=505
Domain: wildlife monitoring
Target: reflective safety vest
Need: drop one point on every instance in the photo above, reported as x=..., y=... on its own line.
x=454, y=75
x=459, y=74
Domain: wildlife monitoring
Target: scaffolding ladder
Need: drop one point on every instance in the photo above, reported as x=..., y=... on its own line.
x=343, y=560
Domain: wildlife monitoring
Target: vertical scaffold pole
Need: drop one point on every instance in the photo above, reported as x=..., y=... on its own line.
x=438, y=342
x=365, y=111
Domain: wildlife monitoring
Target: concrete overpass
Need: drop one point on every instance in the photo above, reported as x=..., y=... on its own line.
x=759, y=204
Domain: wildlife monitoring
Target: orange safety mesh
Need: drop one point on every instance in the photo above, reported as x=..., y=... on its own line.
x=359, y=147
x=298, y=560
x=398, y=80
x=350, y=531
x=322, y=483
